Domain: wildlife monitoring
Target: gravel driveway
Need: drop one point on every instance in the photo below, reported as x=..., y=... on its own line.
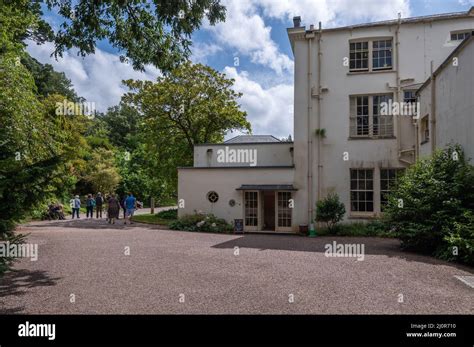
x=87, y=266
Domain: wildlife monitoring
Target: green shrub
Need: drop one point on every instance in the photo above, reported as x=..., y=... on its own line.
x=431, y=207
x=330, y=211
x=201, y=222
x=372, y=228
x=168, y=214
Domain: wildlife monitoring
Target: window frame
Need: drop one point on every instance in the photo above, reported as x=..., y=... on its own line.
x=382, y=49
x=253, y=209
x=466, y=33
x=284, y=212
x=358, y=190
x=361, y=51
x=398, y=171
x=425, y=129
x=386, y=120
x=370, y=54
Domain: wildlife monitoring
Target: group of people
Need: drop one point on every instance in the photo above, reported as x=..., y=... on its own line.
x=113, y=204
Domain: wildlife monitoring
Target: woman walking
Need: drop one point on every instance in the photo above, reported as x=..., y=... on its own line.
x=113, y=209
x=98, y=205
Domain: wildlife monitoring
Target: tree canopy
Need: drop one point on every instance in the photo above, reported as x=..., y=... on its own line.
x=154, y=32
x=191, y=105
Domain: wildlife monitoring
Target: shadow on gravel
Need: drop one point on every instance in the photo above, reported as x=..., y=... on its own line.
x=92, y=224
x=372, y=246
x=17, y=282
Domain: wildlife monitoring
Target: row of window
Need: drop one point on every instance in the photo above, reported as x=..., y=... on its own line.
x=381, y=52
x=366, y=117
x=362, y=188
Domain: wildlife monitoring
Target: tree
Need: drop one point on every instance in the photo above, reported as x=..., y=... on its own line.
x=48, y=81
x=193, y=104
x=330, y=211
x=102, y=173
x=123, y=123
x=154, y=32
x=432, y=204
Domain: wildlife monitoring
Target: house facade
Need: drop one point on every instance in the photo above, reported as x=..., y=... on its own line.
x=355, y=125
x=447, y=104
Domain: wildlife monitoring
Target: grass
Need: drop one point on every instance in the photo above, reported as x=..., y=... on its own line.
x=151, y=219
x=160, y=218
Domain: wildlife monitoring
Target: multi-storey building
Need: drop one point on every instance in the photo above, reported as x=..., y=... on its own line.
x=354, y=125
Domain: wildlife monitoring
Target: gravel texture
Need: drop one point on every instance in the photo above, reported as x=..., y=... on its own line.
x=87, y=258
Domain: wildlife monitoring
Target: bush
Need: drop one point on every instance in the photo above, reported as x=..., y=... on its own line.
x=330, y=211
x=372, y=228
x=431, y=207
x=202, y=222
x=168, y=214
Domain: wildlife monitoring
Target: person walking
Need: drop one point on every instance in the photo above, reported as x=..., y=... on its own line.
x=122, y=204
x=130, y=205
x=90, y=202
x=113, y=209
x=75, y=206
x=98, y=205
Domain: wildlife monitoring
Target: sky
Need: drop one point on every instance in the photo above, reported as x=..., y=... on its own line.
x=251, y=46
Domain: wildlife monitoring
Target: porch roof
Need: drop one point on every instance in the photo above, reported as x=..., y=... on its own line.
x=266, y=187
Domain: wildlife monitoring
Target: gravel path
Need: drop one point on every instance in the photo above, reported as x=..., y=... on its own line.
x=87, y=260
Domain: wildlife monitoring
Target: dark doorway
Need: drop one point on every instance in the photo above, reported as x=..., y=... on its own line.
x=268, y=210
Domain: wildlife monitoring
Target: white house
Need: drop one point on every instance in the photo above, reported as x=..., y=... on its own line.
x=354, y=125
x=447, y=103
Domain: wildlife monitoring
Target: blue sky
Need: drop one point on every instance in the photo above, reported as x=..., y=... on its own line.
x=251, y=46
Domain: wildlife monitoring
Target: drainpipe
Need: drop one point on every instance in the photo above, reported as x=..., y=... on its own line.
x=397, y=68
x=320, y=53
x=417, y=139
x=433, y=109
x=309, y=37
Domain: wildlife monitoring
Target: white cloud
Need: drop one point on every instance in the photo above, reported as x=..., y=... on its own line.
x=96, y=77
x=270, y=110
x=334, y=12
x=245, y=30
x=201, y=51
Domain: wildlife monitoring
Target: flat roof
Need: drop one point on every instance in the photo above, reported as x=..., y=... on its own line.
x=266, y=187
x=253, y=139
x=234, y=167
x=428, y=18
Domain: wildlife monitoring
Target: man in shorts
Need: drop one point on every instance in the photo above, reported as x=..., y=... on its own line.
x=130, y=206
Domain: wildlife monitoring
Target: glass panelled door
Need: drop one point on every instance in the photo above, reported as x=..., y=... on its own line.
x=284, y=211
x=251, y=210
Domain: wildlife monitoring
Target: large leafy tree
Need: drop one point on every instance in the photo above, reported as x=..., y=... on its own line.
x=154, y=32
x=48, y=81
x=193, y=104
x=432, y=206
